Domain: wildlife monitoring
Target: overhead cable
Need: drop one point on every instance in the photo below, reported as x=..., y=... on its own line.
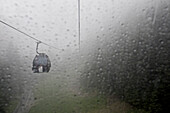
x=37, y=40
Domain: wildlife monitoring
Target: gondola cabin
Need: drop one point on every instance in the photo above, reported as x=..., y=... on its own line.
x=41, y=63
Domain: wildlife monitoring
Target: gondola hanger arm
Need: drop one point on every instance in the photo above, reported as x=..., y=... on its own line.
x=37, y=47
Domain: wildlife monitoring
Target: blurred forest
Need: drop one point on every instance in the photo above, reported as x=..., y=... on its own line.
x=10, y=77
x=137, y=67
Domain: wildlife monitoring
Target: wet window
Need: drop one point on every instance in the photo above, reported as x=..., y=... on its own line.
x=84, y=56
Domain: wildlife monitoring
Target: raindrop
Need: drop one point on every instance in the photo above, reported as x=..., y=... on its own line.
x=9, y=89
x=140, y=43
x=59, y=58
x=134, y=50
x=143, y=10
x=122, y=24
x=101, y=28
x=2, y=80
x=9, y=76
x=100, y=69
x=16, y=4
x=6, y=104
x=31, y=18
x=87, y=63
x=162, y=42
x=149, y=18
x=98, y=37
x=99, y=49
x=7, y=69
x=133, y=41
x=166, y=8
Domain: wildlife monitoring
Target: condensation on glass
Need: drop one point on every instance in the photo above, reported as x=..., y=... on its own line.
x=121, y=65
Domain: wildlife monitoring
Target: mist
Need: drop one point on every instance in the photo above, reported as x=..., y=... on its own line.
x=123, y=51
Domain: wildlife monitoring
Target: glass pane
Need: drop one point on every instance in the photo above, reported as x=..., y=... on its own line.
x=84, y=56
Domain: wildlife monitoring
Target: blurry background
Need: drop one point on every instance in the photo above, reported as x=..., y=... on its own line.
x=122, y=65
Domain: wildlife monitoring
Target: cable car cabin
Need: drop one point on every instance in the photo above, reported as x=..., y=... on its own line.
x=41, y=63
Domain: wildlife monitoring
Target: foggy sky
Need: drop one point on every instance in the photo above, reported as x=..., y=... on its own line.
x=55, y=22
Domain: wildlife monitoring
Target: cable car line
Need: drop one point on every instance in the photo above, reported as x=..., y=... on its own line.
x=28, y=35
x=79, y=22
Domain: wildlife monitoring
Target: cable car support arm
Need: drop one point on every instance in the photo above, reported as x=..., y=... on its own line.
x=37, y=47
